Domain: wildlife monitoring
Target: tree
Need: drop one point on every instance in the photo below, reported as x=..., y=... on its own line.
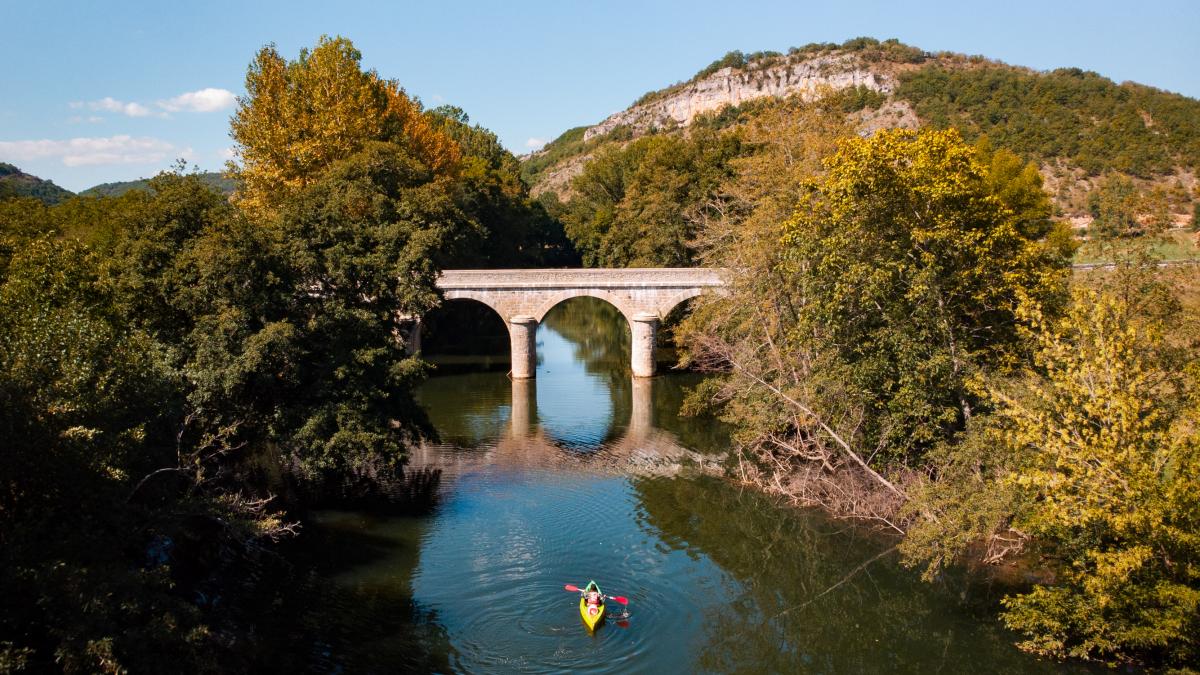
x=87, y=405
x=298, y=117
x=162, y=388
x=513, y=229
x=917, y=256
x=897, y=281
x=360, y=246
x=1114, y=208
x=1107, y=475
x=638, y=205
x=169, y=363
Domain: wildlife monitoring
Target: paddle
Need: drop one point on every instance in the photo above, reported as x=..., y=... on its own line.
x=617, y=598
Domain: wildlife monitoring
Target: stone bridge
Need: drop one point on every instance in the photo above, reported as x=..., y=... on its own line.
x=522, y=298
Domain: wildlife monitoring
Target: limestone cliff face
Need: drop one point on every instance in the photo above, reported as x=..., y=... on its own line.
x=680, y=104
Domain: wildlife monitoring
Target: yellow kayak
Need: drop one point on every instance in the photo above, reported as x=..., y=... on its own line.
x=591, y=605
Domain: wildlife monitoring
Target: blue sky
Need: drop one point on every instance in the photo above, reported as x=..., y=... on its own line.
x=93, y=92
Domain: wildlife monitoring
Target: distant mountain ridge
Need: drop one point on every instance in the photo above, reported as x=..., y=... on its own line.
x=17, y=183
x=1076, y=125
x=213, y=179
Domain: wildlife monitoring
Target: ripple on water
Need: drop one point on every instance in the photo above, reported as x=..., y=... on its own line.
x=546, y=483
x=514, y=539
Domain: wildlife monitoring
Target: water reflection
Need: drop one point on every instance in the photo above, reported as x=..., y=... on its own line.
x=585, y=472
x=524, y=413
x=516, y=433
x=815, y=595
x=584, y=398
x=524, y=408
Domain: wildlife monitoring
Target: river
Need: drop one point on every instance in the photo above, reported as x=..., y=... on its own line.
x=584, y=474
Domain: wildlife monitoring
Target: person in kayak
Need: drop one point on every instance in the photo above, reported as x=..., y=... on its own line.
x=594, y=599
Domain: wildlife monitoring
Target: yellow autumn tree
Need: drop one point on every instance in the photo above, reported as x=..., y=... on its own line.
x=298, y=117
x=1108, y=479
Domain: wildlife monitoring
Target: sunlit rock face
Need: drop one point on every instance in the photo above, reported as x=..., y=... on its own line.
x=728, y=86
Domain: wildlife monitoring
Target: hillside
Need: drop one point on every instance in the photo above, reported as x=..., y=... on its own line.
x=17, y=183
x=1076, y=125
x=214, y=180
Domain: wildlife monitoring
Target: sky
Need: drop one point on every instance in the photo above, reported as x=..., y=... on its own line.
x=92, y=92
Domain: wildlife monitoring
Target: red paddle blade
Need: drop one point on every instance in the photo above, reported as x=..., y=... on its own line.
x=619, y=598
x=573, y=588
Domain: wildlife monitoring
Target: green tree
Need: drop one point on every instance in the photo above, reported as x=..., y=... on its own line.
x=513, y=229
x=168, y=362
x=915, y=226
x=359, y=245
x=639, y=205
x=901, y=270
x=1090, y=456
x=1099, y=125
x=87, y=405
x=1113, y=206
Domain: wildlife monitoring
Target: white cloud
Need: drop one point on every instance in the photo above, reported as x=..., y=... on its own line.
x=534, y=143
x=110, y=104
x=227, y=153
x=209, y=99
x=203, y=100
x=121, y=149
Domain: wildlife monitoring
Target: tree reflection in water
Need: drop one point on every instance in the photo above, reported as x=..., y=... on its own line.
x=808, y=603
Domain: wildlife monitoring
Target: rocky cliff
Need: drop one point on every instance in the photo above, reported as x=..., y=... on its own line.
x=679, y=105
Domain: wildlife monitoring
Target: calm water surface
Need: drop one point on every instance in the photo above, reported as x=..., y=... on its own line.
x=587, y=474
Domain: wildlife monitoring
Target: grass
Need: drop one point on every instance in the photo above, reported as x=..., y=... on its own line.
x=1173, y=245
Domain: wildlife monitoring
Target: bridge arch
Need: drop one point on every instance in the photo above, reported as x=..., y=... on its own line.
x=463, y=326
x=667, y=306
x=553, y=299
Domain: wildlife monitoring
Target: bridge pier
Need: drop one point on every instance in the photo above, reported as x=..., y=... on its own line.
x=522, y=332
x=645, y=331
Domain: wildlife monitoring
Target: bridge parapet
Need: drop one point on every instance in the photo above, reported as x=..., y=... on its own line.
x=547, y=279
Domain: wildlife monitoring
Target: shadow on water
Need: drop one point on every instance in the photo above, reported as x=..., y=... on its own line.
x=353, y=609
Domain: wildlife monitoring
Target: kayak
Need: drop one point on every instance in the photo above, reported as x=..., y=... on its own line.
x=592, y=614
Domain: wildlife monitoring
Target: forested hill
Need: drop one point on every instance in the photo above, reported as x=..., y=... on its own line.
x=214, y=180
x=17, y=183
x=1076, y=125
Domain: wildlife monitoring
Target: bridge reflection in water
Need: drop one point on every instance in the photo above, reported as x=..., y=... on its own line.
x=643, y=449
